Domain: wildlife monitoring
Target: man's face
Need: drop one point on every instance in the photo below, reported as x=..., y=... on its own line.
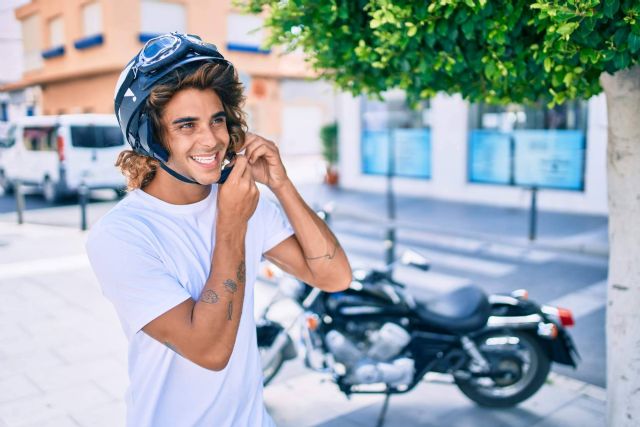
x=195, y=129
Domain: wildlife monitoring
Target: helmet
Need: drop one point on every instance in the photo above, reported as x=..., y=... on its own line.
x=158, y=58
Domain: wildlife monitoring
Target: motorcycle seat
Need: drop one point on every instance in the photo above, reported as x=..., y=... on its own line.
x=463, y=310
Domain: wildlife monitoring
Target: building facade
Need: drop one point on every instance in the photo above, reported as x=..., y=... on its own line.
x=74, y=51
x=455, y=150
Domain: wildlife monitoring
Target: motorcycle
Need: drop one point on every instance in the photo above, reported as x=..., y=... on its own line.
x=377, y=337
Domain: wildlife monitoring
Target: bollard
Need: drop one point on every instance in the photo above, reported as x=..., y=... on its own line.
x=17, y=188
x=533, y=214
x=83, y=195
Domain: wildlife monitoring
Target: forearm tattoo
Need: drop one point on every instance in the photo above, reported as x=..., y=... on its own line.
x=229, y=310
x=328, y=255
x=209, y=296
x=231, y=286
x=242, y=272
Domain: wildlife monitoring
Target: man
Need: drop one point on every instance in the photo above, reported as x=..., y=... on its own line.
x=178, y=257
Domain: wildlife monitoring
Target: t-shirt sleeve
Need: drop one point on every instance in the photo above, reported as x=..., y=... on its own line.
x=276, y=224
x=132, y=277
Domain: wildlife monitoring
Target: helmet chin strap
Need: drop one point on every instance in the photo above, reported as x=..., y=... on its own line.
x=176, y=175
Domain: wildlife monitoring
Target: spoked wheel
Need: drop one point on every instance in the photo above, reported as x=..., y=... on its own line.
x=519, y=367
x=269, y=370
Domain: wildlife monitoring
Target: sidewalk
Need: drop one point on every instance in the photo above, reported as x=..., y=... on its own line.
x=62, y=356
x=556, y=231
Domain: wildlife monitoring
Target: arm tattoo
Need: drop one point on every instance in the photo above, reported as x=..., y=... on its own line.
x=242, y=272
x=327, y=255
x=171, y=347
x=209, y=296
x=231, y=286
x=229, y=310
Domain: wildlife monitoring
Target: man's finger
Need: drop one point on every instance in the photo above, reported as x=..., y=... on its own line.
x=239, y=168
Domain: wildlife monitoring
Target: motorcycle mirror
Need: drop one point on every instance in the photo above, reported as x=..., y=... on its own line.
x=414, y=259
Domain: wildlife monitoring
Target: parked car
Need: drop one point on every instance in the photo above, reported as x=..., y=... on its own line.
x=58, y=153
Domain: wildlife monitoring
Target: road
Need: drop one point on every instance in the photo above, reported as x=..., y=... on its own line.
x=576, y=281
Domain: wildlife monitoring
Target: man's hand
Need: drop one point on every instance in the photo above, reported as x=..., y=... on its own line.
x=238, y=196
x=265, y=162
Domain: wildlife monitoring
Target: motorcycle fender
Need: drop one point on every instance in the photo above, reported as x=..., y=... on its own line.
x=268, y=331
x=561, y=349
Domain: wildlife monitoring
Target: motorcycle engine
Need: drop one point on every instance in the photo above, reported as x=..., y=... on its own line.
x=372, y=356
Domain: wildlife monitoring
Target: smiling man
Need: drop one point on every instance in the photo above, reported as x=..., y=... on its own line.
x=178, y=257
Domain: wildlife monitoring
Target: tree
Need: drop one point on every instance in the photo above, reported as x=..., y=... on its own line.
x=498, y=52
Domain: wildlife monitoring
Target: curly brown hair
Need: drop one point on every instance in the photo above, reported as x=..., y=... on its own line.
x=222, y=78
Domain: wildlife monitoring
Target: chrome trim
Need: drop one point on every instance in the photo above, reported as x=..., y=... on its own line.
x=361, y=310
x=313, y=295
x=528, y=321
x=503, y=299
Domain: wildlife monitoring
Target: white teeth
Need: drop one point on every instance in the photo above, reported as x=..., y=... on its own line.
x=204, y=160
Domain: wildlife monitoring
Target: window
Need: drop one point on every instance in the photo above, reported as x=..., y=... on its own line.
x=32, y=39
x=158, y=17
x=40, y=139
x=392, y=121
x=244, y=33
x=56, y=32
x=96, y=136
x=91, y=19
x=571, y=115
x=530, y=146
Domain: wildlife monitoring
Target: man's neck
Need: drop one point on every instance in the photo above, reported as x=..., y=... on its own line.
x=170, y=190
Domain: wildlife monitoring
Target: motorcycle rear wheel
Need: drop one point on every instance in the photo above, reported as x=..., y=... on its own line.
x=523, y=364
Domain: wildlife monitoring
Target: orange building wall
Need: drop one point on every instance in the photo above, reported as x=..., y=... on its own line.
x=87, y=95
x=84, y=80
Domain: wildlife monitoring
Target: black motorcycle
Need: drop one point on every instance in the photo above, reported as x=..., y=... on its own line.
x=376, y=337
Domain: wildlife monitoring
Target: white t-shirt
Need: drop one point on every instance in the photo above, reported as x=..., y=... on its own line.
x=150, y=256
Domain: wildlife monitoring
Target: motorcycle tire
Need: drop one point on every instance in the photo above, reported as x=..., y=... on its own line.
x=269, y=372
x=499, y=396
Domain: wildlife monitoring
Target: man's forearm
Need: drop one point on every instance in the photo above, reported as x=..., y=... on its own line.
x=216, y=314
x=323, y=254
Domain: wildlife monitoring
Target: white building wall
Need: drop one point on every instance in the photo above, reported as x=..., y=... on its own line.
x=449, y=136
x=10, y=41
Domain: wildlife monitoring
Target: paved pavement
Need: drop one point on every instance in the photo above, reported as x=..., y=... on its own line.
x=62, y=353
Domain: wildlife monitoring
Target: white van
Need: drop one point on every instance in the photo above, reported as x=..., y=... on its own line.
x=58, y=153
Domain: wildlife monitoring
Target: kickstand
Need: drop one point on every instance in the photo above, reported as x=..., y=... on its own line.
x=383, y=412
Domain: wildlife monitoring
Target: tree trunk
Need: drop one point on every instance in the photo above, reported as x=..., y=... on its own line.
x=623, y=311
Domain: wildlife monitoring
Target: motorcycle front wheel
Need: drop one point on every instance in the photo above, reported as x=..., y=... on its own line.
x=519, y=367
x=271, y=369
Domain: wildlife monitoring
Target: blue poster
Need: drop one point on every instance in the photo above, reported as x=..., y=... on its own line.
x=412, y=152
x=549, y=158
x=490, y=157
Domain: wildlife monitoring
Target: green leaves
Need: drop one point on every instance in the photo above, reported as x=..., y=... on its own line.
x=498, y=51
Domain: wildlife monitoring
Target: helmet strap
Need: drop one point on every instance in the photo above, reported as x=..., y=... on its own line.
x=175, y=174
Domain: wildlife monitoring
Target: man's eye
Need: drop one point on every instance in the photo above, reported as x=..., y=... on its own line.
x=187, y=125
x=218, y=120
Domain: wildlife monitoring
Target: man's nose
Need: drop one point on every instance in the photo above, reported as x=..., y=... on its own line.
x=211, y=138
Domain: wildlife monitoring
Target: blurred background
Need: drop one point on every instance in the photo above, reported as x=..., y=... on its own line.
x=503, y=197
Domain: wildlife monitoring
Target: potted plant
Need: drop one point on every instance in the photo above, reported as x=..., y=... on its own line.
x=329, y=137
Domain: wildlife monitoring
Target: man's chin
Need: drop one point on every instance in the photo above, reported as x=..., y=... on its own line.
x=208, y=179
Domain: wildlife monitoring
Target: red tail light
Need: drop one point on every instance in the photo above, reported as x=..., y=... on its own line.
x=566, y=317
x=60, y=146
